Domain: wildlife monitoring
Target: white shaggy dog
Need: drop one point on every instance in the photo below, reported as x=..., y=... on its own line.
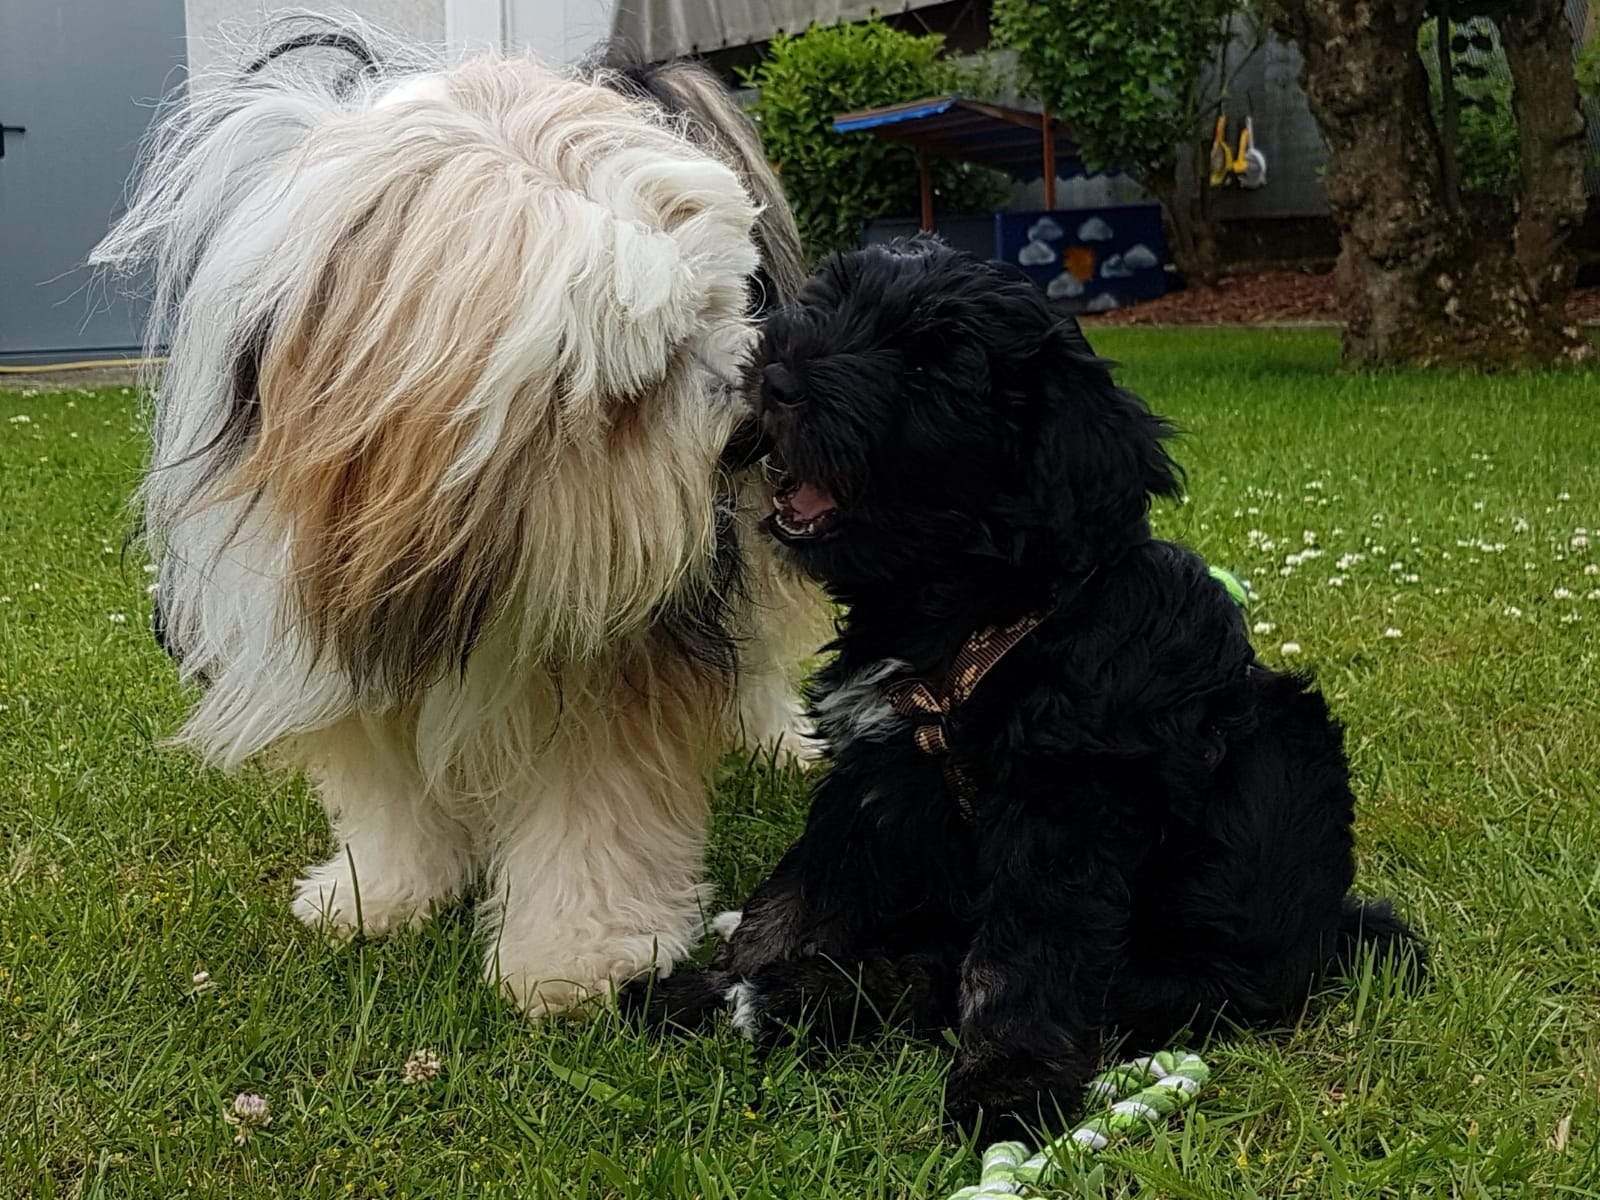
x=436, y=492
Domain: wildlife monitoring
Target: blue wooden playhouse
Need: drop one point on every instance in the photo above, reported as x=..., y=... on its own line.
x=1085, y=259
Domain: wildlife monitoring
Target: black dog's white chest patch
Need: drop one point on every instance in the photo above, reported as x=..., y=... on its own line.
x=858, y=710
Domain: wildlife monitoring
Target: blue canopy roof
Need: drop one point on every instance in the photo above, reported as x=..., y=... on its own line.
x=1007, y=139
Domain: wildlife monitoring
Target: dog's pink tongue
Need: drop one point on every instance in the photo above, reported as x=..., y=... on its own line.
x=808, y=501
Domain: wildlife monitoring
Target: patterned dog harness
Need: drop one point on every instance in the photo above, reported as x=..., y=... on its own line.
x=933, y=705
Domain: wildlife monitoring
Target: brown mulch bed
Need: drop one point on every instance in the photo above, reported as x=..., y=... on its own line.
x=1272, y=297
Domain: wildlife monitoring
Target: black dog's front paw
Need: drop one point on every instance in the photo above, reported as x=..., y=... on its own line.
x=687, y=1000
x=1012, y=1097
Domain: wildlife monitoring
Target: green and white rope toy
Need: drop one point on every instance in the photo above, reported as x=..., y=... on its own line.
x=1142, y=1091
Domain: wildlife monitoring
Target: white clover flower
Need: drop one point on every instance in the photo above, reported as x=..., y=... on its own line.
x=422, y=1067
x=1520, y=525
x=1592, y=569
x=1336, y=581
x=1580, y=541
x=1289, y=649
x=1513, y=612
x=21, y=419
x=117, y=618
x=1412, y=578
x=1397, y=566
x=203, y=982
x=1564, y=497
x=1478, y=505
x=1309, y=537
x=248, y=1111
x=1392, y=632
x=1562, y=593
x=1263, y=627
x=1570, y=619
x=1593, y=594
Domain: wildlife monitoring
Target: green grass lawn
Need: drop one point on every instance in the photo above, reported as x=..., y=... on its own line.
x=1420, y=539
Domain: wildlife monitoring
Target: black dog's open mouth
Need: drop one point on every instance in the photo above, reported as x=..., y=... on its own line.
x=803, y=510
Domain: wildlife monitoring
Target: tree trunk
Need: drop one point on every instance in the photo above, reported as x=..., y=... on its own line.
x=1190, y=223
x=1538, y=44
x=1417, y=282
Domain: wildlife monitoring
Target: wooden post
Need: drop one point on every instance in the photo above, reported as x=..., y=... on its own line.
x=1049, y=158
x=927, y=191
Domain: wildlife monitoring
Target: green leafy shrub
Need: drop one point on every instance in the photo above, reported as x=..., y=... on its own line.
x=1487, y=150
x=1137, y=84
x=835, y=181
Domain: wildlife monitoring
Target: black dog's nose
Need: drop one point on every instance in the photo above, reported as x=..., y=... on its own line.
x=779, y=385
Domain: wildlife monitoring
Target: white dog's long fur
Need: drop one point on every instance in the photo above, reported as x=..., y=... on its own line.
x=452, y=356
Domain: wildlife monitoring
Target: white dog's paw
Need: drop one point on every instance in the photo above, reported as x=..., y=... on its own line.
x=548, y=980
x=552, y=997
x=328, y=897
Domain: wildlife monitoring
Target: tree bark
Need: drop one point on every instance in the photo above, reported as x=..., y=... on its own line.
x=1418, y=282
x=1538, y=42
x=1190, y=223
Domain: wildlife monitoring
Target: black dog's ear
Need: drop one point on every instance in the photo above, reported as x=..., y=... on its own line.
x=1092, y=454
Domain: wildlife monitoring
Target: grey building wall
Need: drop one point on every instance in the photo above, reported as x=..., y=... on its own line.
x=1267, y=87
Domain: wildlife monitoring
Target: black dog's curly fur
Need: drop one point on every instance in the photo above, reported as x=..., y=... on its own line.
x=1162, y=831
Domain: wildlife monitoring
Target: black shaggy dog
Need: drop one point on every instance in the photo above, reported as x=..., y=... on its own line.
x=1063, y=801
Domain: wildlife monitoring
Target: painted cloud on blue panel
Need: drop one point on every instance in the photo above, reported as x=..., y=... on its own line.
x=1094, y=230
x=1114, y=268
x=1140, y=257
x=1064, y=286
x=1101, y=303
x=1044, y=230
x=1036, y=254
